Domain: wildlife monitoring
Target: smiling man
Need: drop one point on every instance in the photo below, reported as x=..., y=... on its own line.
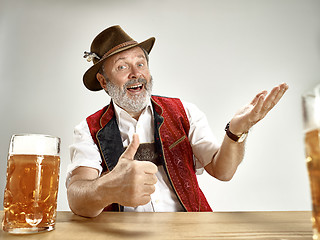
x=142, y=152
x=131, y=83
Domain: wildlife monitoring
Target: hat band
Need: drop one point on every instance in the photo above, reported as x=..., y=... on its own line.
x=122, y=45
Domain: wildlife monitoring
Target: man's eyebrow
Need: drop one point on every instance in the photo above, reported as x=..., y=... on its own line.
x=142, y=56
x=118, y=59
x=122, y=58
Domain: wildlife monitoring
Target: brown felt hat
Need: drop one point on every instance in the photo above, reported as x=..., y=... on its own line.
x=109, y=42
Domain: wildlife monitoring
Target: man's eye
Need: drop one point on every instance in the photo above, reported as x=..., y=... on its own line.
x=122, y=67
x=140, y=65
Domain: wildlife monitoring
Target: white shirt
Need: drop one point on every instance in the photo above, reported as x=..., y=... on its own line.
x=84, y=151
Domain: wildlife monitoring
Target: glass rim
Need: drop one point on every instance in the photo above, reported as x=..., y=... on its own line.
x=34, y=144
x=312, y=93
x=309, y=95
x=35, y=134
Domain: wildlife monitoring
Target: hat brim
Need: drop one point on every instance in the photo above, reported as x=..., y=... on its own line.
x=89, y=78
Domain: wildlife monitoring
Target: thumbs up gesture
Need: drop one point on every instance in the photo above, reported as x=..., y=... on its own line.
x=134, y=180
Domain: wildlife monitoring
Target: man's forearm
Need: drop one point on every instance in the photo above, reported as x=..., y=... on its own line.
x=225, y=163
x=130, y=183
x=229, y=156
x=85, y=199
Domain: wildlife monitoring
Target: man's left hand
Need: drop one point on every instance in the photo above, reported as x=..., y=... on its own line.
x=252, y=113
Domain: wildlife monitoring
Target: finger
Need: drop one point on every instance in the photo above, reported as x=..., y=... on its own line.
x=148, y=167
x=271, y=97
x=283, y=88
x=255, y=100
x=149, y=189
x=150, y=179
x=274, y=92
x=132, y=148
x=257, y=108
x=145, y=199
x=274, y=97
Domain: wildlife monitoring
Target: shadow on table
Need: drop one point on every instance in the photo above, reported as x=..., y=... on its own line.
x=129, y=226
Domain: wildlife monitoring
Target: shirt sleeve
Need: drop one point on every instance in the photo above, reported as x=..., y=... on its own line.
x=83, y=152
x=204, y=144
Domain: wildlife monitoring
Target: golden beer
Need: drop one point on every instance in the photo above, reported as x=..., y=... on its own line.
x=30, y=197
x=312, y=145
x=311, y=127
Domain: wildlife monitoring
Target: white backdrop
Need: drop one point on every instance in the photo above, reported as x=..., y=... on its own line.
x=216, y=54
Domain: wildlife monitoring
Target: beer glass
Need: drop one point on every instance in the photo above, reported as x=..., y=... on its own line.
x=311, y=125
x=30, y=197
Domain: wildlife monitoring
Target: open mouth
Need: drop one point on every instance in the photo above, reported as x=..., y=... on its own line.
x=135, y=88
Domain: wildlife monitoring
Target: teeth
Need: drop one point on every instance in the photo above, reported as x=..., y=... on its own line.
x=140, y=85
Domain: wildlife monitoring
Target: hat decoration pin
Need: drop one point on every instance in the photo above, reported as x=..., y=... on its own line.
x=90, y=56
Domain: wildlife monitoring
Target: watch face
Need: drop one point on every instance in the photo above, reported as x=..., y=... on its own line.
x=242, y=137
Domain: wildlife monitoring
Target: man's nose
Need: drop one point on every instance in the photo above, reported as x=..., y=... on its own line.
x=135, y=73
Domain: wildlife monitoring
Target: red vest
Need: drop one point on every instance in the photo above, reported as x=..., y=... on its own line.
x=171, y=139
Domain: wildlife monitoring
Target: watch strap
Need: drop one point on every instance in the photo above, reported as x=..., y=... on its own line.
x=230, y=134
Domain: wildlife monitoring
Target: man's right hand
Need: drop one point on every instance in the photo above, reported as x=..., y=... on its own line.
x=135, y=179
x=130, y=184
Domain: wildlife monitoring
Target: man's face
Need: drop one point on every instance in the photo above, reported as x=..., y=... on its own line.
x=129, y=81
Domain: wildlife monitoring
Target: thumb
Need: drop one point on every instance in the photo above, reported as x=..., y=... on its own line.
x=132, y=148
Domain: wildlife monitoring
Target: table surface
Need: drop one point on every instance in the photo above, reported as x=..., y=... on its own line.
x=218, y=225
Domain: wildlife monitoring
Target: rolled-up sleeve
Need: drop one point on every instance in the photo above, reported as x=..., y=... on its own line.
x=204, y=144
x=83, y=152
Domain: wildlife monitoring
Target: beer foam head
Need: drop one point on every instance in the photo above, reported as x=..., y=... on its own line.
x=35, y=144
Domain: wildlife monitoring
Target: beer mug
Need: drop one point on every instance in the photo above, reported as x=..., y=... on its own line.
x=311, y=125
x=30, y=197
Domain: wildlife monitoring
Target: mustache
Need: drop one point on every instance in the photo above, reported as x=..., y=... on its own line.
x=133, y=81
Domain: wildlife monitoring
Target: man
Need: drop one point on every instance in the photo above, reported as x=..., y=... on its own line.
x=141, y=152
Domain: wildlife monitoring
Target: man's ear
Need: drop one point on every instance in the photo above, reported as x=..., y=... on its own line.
x=102, y=80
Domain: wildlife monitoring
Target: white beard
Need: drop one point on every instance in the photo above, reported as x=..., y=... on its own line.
x=132, y=104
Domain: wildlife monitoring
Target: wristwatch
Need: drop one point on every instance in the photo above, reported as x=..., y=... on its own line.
x=237, y=138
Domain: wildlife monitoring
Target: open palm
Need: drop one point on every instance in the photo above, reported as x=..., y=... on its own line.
x=252, y=113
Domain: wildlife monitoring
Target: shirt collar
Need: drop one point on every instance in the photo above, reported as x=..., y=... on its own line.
x=120, y=113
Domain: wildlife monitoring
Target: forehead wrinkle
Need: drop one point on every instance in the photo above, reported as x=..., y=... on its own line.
x=118, y=59
x=141, y=56
x=125, y=57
